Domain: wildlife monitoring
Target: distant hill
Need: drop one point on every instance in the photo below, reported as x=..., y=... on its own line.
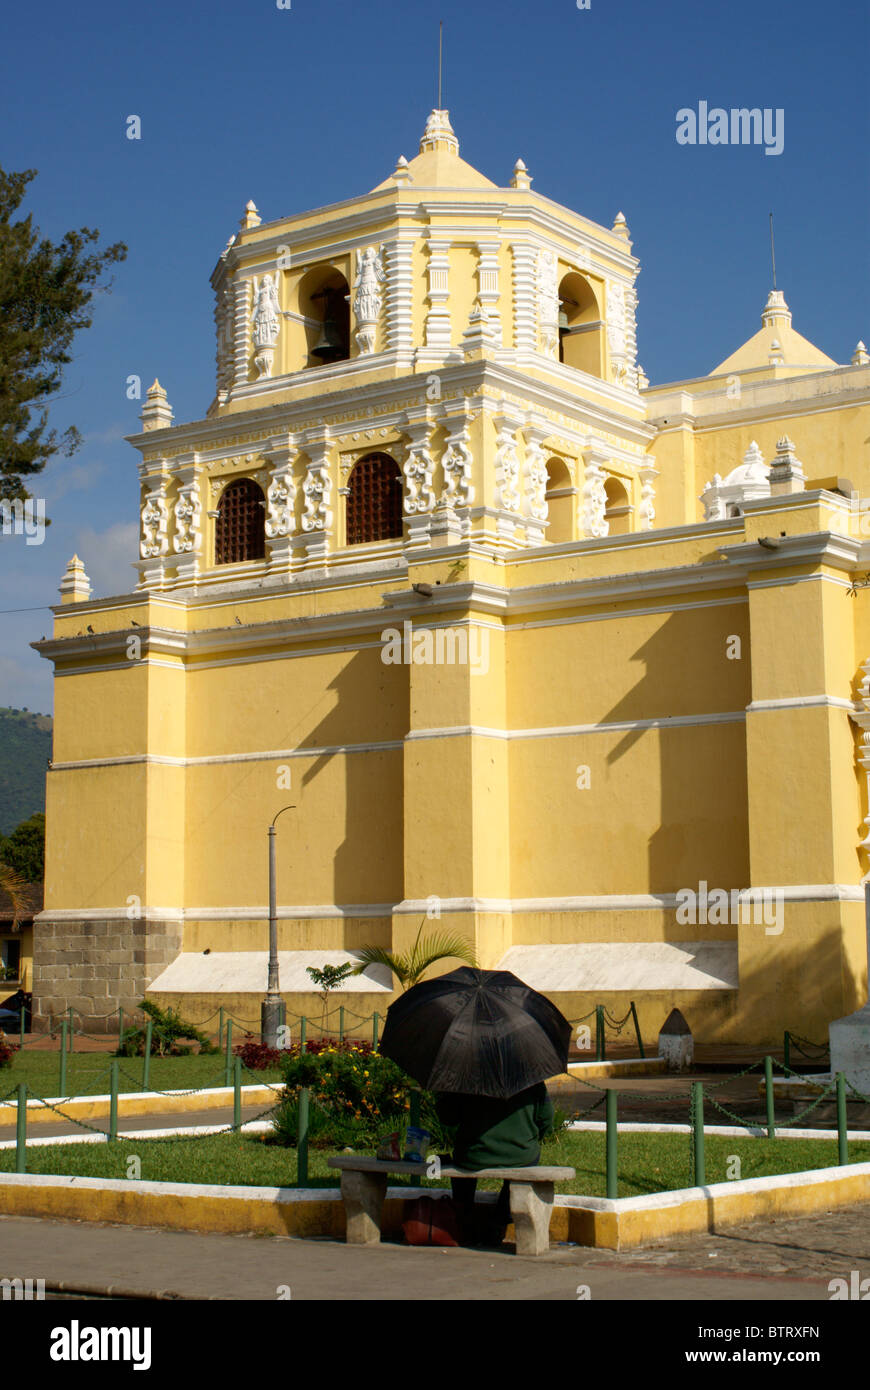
x=25, y=747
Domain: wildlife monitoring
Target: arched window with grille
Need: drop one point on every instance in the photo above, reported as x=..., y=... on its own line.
x=374, y=500
x=240, y=529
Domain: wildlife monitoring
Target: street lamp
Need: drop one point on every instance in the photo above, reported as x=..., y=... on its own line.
x=273, y=1010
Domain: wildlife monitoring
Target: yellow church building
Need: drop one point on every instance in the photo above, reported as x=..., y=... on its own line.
x=538, y=652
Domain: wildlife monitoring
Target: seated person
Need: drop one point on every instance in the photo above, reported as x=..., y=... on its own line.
x=493, y=1134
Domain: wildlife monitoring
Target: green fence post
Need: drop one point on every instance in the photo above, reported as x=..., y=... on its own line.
x=341, y=1024
x=612, y=1140
x=302, y=1138
x=637, y=1030
x=698, y=1132
x=768, y=1097
x=113, y=1099
x=303, y=1025
x=229, y=1053
x=221, y=1028
x=375, y=1023
x=237, y=1095
x=62, y=1083
x=146, y=1068
x=414, y=1120
x=21, y=1130
x=786, y=1050
x=842, y=1128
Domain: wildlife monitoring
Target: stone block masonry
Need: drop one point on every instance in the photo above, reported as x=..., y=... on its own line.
x=97, y=967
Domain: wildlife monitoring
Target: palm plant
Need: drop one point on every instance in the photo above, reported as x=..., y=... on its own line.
x=410, y=968
x=17, y=890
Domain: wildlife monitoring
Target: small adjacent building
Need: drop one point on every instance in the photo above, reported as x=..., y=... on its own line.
x=539, y=652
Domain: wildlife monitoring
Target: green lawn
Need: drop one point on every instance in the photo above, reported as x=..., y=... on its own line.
x=647, y=1162
x=88, y=1073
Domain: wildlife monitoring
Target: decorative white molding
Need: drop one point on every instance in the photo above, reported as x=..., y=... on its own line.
x=616, y=336
x=154, y=543
x=437, y=329
x=548, y=302
x=535, y=508
x=488, y=292
x=457, y=466
x=266, y=322
x=594, y=498
x=241, y=330
x=646, y=512
x=418, y=468
x=188, y=520
x=317, y=492
x=400, y=294
x=746, y=483
x=524, y=295
x=368, y=300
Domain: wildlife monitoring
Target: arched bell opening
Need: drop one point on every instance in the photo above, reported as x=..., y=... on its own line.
x=324, y=303
x=581, y=330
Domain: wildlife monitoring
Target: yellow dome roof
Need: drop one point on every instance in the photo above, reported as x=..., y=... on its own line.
x=776, y=344
x=438, y=164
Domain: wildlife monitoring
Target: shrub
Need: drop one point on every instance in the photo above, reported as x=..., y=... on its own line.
x=7, y=1050
x=257, y=1056
x=362, y=1093
x=168, y=1029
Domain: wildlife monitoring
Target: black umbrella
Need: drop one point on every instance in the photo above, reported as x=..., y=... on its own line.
x=476, y=1032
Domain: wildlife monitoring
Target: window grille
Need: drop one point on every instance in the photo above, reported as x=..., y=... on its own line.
x=374, y=502
x=240, y=533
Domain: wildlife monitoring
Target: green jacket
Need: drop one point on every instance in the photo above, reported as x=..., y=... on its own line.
x=497, y=1133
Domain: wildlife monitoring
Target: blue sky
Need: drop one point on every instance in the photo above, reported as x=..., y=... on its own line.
x=305, y=106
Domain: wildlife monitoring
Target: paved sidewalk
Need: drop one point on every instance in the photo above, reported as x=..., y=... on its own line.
x=792, y=1260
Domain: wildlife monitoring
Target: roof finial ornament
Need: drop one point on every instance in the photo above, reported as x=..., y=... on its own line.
x=860, y=357
x=620, y=226
x=522, y=178
x=251, y=218
x=439, y=133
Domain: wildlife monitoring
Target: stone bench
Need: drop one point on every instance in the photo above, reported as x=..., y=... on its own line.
x=364, y=1187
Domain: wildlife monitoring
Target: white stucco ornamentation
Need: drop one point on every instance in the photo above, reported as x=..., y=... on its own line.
x=507, y=469
x=266, y=321
x=750, y=480
x=418, y=468
x=535, y=478
x=155, y=523
x=548, y=302
x=646, y=512
x=616, y=330
x=457, y=462
x=368, y=300
x=594, y=500
x=317, y=491
x=280, y=500
x=188, y=520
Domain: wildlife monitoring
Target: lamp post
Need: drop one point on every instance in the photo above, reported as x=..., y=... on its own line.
x=272, y=1010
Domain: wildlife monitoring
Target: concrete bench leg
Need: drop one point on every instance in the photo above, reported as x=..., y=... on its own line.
x=531, y=1206
x=363, y=1195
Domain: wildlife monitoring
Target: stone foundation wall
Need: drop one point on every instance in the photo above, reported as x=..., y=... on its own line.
x=97, y=967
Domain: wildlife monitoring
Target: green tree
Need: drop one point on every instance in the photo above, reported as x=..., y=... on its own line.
x=15, y=888
x=410, y=968
x=46, y=290
x=24, y=849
